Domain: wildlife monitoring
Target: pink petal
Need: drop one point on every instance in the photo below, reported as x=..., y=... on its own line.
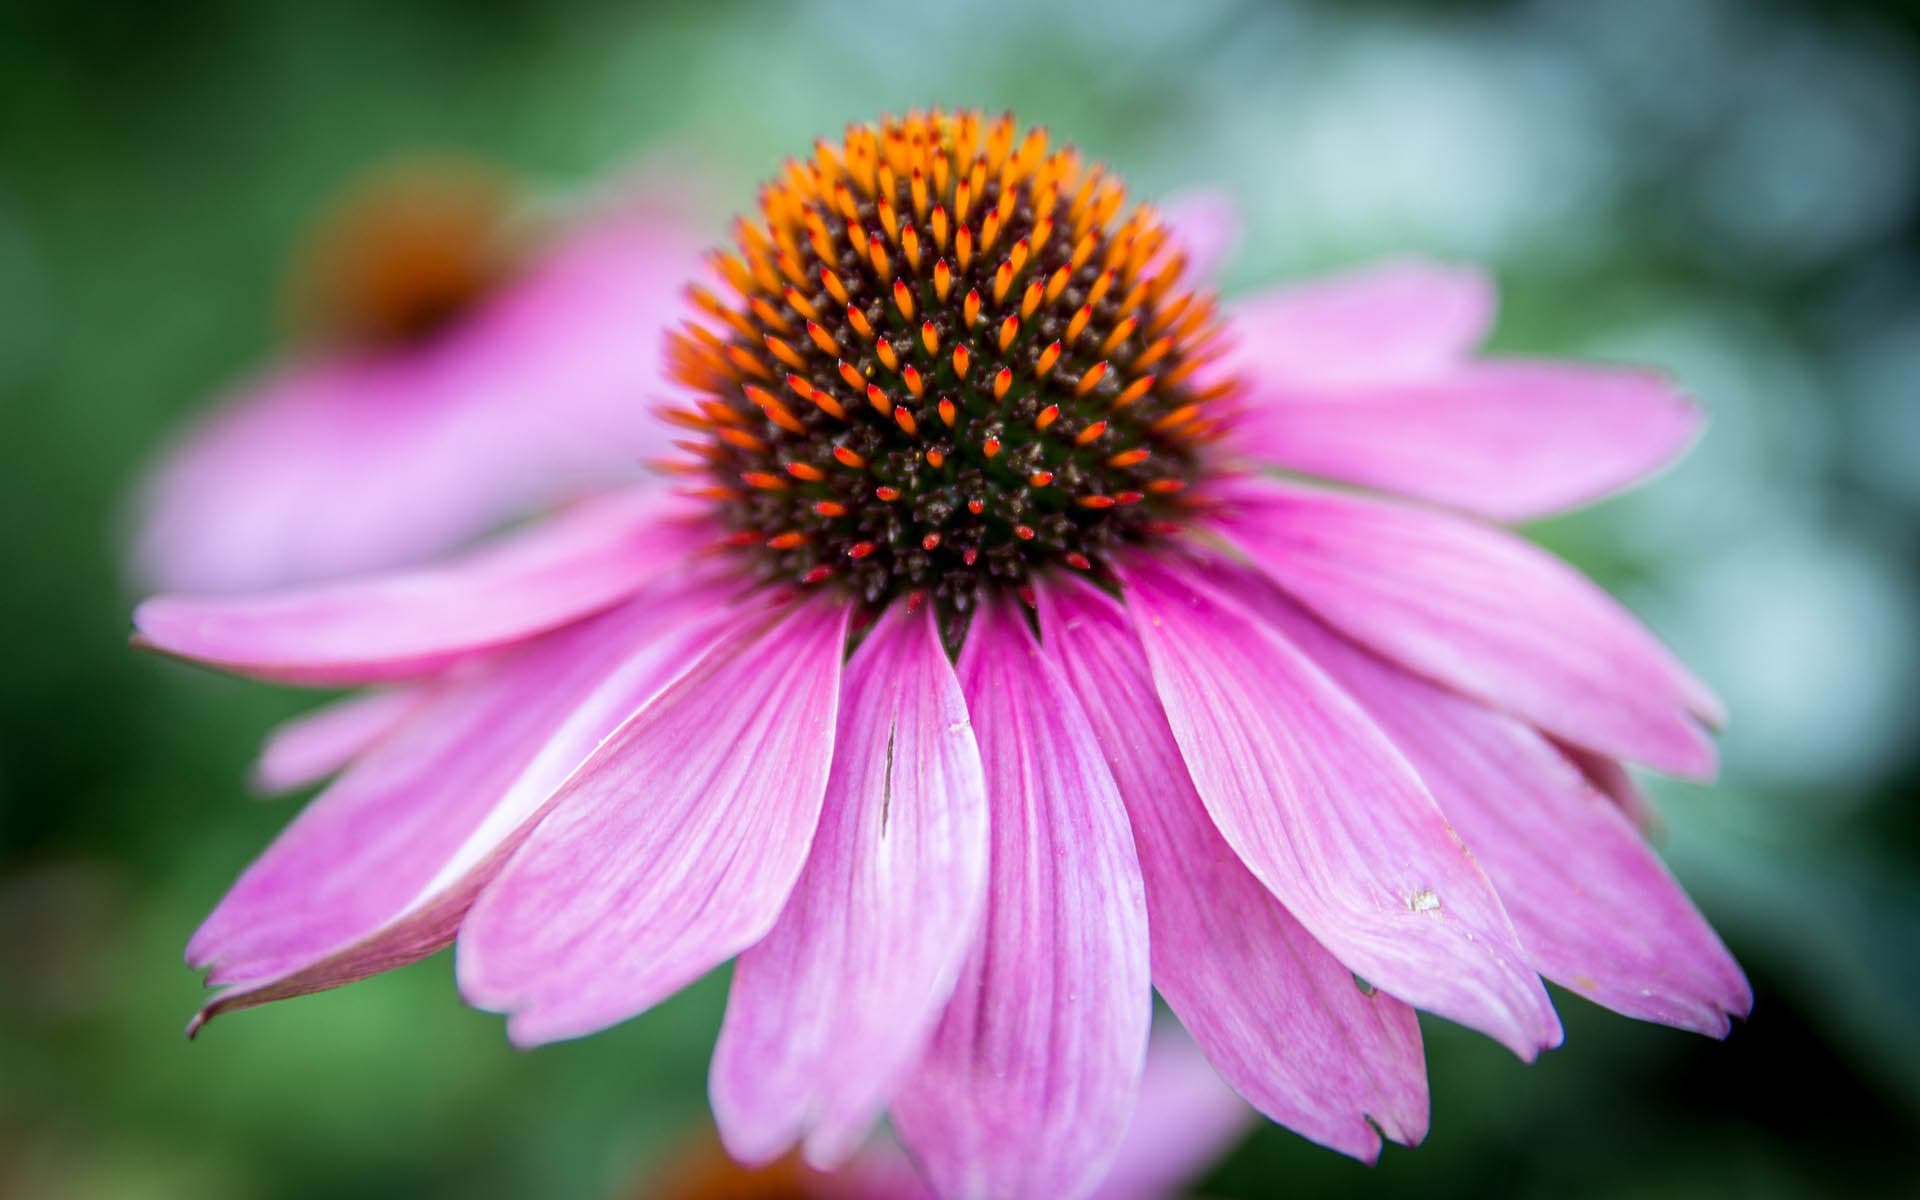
x=1596, y=911
x=1509, y=440
x=326, y=468
x=314, y=745
x=1392, y=321
x=378, y=869
x=1205, y=224
x=305, y=473
x=1611, y=779
x=1484, y=612
x=1186, y=1121
x=881, y=1171
x=1277, y=1014
x=1329, y=817
x=559, y=372
x=674, y=847
x=1028, y=1086
x=867, y=950
x=408, y=625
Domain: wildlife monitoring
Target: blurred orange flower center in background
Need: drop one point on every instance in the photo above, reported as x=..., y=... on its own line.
x=405, y=252
x=707, y=1173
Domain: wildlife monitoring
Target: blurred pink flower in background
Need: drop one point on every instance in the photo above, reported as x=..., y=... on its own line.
x=457, y=360
x=1117, y=694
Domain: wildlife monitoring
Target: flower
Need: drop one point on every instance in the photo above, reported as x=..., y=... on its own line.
x=1186, y=1119
x=1117, y=693
x=458, y=361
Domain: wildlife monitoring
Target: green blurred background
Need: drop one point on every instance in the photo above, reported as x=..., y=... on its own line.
x=1724, y=189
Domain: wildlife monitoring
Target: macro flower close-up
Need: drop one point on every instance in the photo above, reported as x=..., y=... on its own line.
x=1017, y=630
x=982, y=601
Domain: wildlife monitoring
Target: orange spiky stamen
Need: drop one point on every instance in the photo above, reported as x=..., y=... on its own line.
x=964, y=308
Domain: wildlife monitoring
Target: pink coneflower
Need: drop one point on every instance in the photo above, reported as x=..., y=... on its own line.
x=985, y=662
x=1186, y=1119
x=456, y=360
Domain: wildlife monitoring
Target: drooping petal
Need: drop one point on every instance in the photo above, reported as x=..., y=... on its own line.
x=673, y=847
x=411, y=624
x=1508, y=440
x=1395, y=320
x=1186, y=1120
x=1028, y=1084
x=379, y=867
x=1205, y=225
x=320, y=743
x=1595, y=909
x=365, y=846
x=1278, y=1015
x=832, y=1007
x=1329, y=817
x=1484, y=612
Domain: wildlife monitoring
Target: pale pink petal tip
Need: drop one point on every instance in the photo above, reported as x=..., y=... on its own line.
x=1595, y=909
x=620, y=897
x=868, y=948
x=1278, y=753
x=411, y=624
x=379, y=868
x=1512, y=440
